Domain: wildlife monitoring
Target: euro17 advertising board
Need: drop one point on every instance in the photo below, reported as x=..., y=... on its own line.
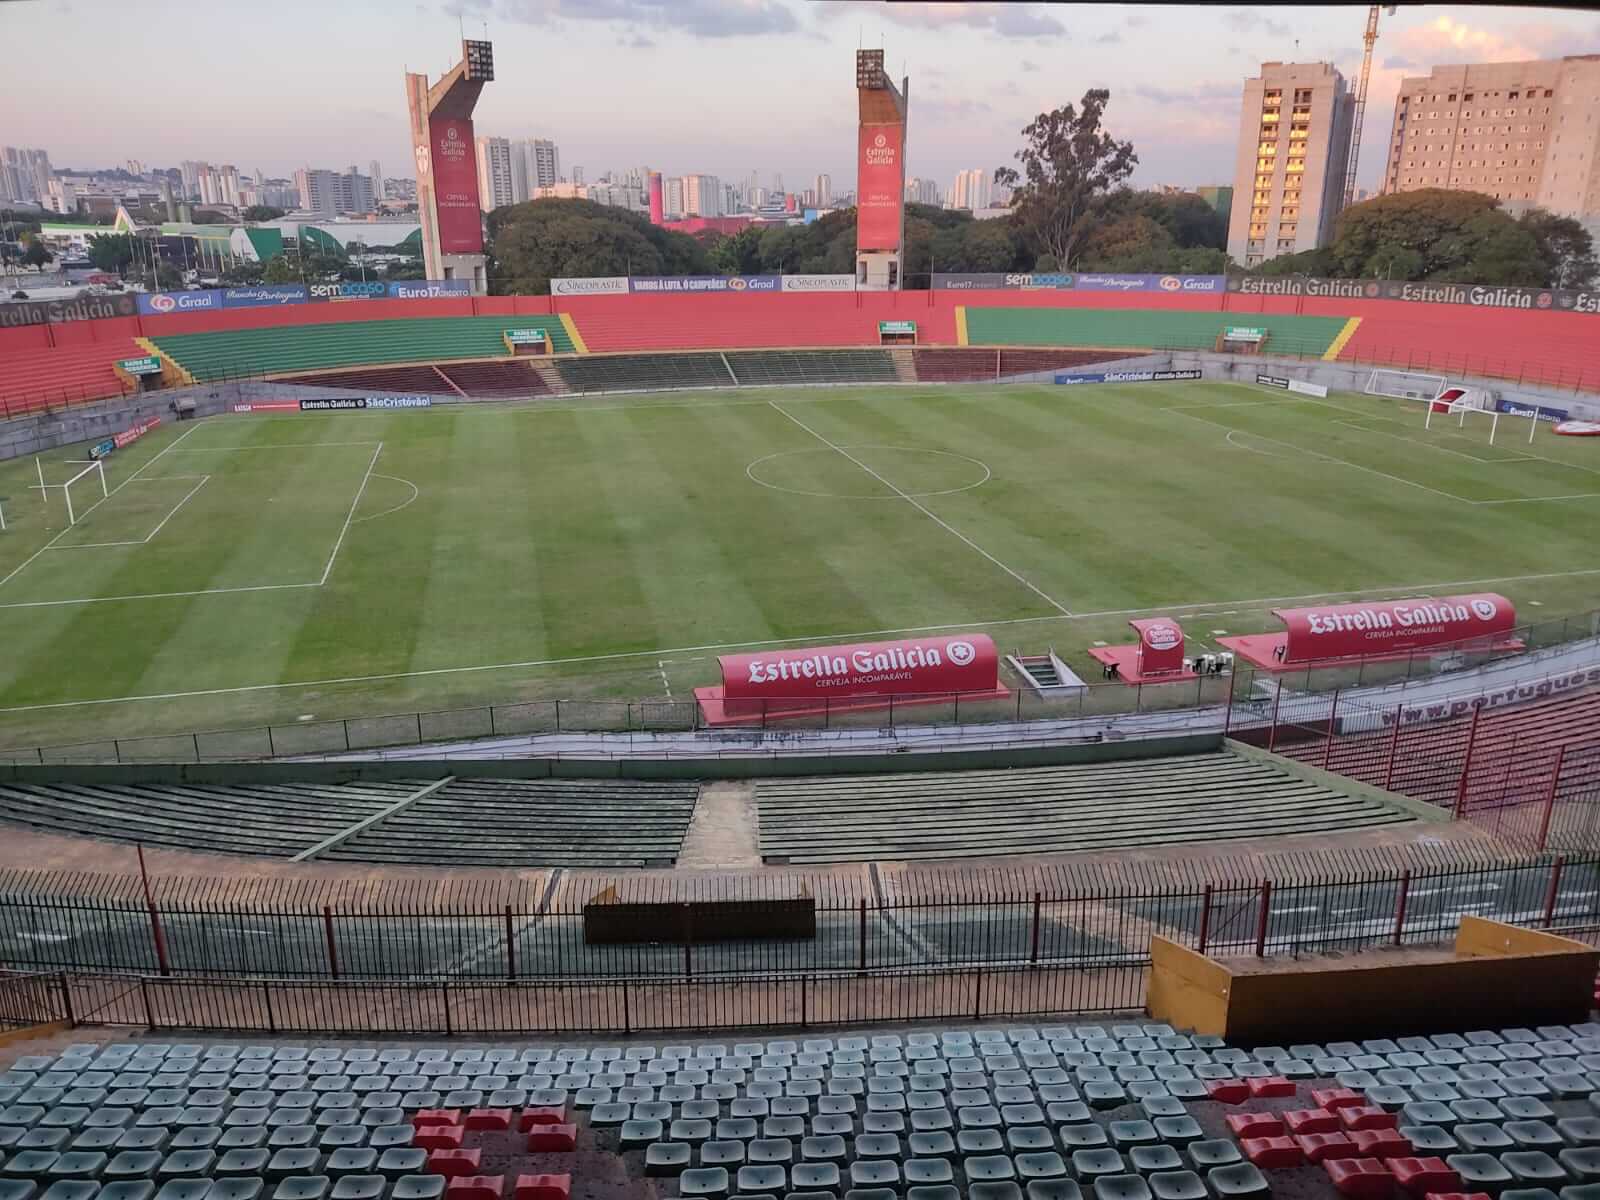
x=455, y=185
x=880, y=186
x=1393, y=626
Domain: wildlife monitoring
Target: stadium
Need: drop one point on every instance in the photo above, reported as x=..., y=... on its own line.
x=1043, y=735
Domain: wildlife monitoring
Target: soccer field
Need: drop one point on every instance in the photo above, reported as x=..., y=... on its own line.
x=253, y=568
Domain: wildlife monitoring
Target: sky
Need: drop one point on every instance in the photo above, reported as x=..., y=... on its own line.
x=722, y=87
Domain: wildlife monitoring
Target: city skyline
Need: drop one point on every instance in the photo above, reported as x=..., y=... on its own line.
x=1175, y=76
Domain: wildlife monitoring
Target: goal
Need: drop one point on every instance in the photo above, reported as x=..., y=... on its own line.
x=1405, y=385
x=92, y=473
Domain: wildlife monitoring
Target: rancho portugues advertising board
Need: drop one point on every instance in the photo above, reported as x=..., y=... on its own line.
x=814, y=679
x=1393, y=626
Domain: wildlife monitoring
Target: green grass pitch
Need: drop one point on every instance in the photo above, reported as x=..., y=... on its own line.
x=253, y=568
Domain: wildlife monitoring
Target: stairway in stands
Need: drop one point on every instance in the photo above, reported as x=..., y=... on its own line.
x=905, y=363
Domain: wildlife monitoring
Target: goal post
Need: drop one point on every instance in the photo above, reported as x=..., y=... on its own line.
x=95, y=468
x=1405, y=385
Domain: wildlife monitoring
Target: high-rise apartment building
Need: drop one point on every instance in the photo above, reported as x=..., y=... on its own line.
x=672, y=197
x=971, y=190
x=823, y=191
x=375, y=172
x=24, y=174
x=329, y=193
x=1289, y=169
x=544, y=162
x=922, y=191
x=496, y=174
x=190, y=171
x=1526, y=133
x=702, y=196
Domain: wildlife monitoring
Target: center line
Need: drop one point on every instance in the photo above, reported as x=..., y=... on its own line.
x=921, y=508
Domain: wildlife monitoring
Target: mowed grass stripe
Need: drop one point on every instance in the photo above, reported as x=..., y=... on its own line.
x=932, y=550
x=475, y=602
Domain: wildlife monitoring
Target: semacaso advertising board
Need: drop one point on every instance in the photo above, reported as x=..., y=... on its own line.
x=965, y=662
x=1393, y=626
x=647, y=285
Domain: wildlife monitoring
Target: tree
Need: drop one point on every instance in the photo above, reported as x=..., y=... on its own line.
x=1407, y=235
x=739, y=254
x=1069, y=164
x=280, y=269
x=243, y=274
x=532, y=243
x=36, y=254
x=1565, y=246
x=262, y=212
x=111, y=251
x=1130, y=243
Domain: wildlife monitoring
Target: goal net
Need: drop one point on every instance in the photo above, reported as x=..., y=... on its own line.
x=81, y=492
x=1405, y=385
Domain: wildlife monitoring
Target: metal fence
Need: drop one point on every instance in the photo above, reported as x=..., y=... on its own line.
x=1246, y=691
x=954, y=959
x=535, y=931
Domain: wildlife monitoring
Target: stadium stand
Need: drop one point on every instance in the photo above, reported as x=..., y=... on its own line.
x=1128, y=1110
x=39, y=379
x=512, y=823
x=631, y=372
x=1095, y=806
x=516, y=378
x=744, y=321
x=273, y=819
x=553, y=822
x=755, y=367
x=1538, y=346
x=378, y=379
x=1141, y=329
x=305, y=347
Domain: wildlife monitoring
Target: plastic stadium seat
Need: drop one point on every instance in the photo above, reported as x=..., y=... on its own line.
x=1361, y=1178
x=490, y=1118
x=1310, y=1120
x=473, y=1187
x=1534, y=1167
x=1366, y=1117
x=547, y=1138
x=1227, y=1091
x=453, y=1163
x=1241, y=1181
x=438, y=1137
x=542, y=1115
x=1272, y=1152
x=1419, y=1176
x=1337, y=1098
x=1271, y=1087
x=704, y=1181
x=1255, y=1125
x=1381, y=1143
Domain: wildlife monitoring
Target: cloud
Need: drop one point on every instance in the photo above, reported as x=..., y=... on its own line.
x=1398, y=62
x=950, y=109
x=1028, y=65
x=1445, y=39
x=698, y=18
x=1244, y=20
x=1199, y=94
x=1108, y=39
x=1003, y=20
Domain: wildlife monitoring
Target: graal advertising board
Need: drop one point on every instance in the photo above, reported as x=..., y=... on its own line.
x=964, y=662
x=1390, y=626
x=455, y=185
x=880, y=187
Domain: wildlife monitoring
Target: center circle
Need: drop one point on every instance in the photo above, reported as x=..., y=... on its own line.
x=809, y=473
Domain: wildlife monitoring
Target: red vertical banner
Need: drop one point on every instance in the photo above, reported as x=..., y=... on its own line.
x=455, y=185
x=880, y=186
x=1160, y=645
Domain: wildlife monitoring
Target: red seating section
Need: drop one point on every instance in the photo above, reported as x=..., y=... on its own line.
x=1361, y=1178
x=742, y=321
x=379, y=379
x=33, y=380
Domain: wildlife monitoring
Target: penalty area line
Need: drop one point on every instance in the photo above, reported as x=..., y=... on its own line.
x=660, y=653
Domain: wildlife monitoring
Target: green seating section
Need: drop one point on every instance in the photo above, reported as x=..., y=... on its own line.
x=1138, y=328
x=280, y=348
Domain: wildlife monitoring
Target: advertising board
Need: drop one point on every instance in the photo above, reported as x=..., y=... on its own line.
x=148, y=365
x=348, y=290
x=959, y=663
x=527, y=337
x=1543, y=411
x=819, y=283
x=704, y=283
x=1162, y=376
x=267, y=295
x=1160, y=645
x=455, y=185
x=356, y=403
x=428, y=289
x=880, y=186
x=161, y=303
x=896, y=327
x=134, y=433
x=1391, y=626
x=590, y=285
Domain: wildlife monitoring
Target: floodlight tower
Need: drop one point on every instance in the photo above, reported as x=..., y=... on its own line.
x=447, y=166
x=880, y=175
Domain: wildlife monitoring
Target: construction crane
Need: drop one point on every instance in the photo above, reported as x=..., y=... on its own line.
x=1371, y=40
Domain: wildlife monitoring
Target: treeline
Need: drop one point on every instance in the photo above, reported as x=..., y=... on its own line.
x=1071, y=211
